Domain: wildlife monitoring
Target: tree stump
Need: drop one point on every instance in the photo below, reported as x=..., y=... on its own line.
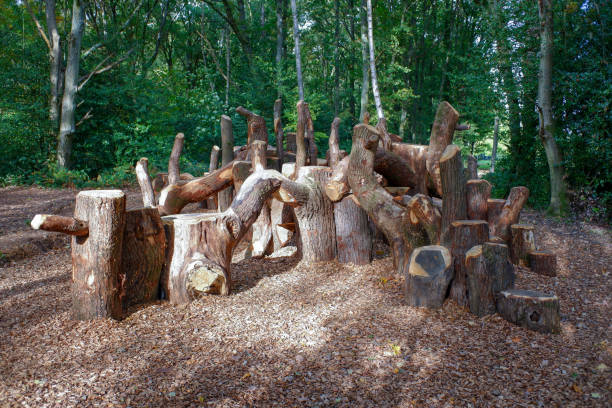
x=478, y=193
x=494, y=207
x=472, y=167
x=509, y=214
x=278, y=132
x=543, y=262
x=454, y=205
x=442, y=132
x=465, y=235
x=144, y=180
x=428, y=276
x=533, y=310
x=488, y=271
x=522, y=242
x=353, y=234
x=143, y=255
x=96, y=258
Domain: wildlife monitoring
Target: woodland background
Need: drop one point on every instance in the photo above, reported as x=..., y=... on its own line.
x=152, y=68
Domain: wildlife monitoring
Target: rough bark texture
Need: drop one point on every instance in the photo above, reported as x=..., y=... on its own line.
x=256, y=126
x=454, y=206
x=144, y=181
x=142, y=256
x=415, y=156
x=278, y=132
x=477, y=193
x=509, y=214
x=423, y=212
x=305, y=130
x=227, y=155
x=428, y=277
x=465, y=235
x=472, y=167
x=534, y=310
x=441, y=136
x=494, y=207
x=298, y=59
x=96, y=258
x=353, y=234
x=390, y=217
x=290, y=141
x=522, y=242
x=337, y=187
x=240, y=171
x=261, y=241
x=175, y=155
x=214, y=158
x=488, y=271
x=283, y=223
x=495, y=141
x=59, y=223
x=543, y=262
x=161, y=180
x=334, y=147
x=396, y=169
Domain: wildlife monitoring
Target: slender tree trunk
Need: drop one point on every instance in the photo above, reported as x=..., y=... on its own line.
x=279, y=45
x=495, y=141
x=56, y=64
x=375, y=91
x=337, y=58
x=558, y=189
x=71, y=84
x=365, y=68
x=227, y=65
x=298, y=59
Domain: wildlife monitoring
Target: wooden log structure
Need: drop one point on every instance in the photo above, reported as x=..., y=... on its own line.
x=543, y=262
x=334, y=146
x=454, y=205
x=533, y=310
x=227, y=155
x=354, y=243
x=428, y=277
x=60, y=223
x=494, y=207
x=472, y=167
x=261, y=240
x=305, y=130
x=212, y=202
x=522, y=242
x=465, y=235
x=441, y=136
x=478, y=193
x=415, y=157
x=173, y=162
x=290, y=142
x=509, y=214
x=144, y=181
x=256, y=125
x=278, y=132
x=488, y=271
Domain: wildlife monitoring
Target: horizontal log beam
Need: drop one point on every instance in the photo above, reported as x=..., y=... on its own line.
x=59, y=223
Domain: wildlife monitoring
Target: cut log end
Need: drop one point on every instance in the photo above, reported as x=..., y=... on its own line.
x=543, y=262
x=429, y=274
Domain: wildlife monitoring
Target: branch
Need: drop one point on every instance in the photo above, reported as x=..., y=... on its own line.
x=88, y=115
x=99, y=70
x=38, y=26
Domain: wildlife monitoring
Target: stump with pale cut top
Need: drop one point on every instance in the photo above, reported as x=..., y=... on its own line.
x=428, y=276
x=534, y=310
x=543, y=262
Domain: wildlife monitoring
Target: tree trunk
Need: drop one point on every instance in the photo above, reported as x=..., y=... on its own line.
x=543, y=263
x=298, y=59
x=442, y=133
x=495, y=141
x=558, y=189
x=454, y=205
x=304, y=131
x=144, y=180
x=509, y=214
x=472, y=167
x=56, y=72
x=175, y=155
x=59, y=223
x=334, y=146
x=353, y=234
x=278, y=132
x=465, y=235
x=494, y=207
x=279, y=45
x=428, y=277
x=379, y=109
x=534, y=310
x=522, y=242
x=96, y=258
x=415, y=156
x=212, y=203
x=365, y=69
x=336, y=57
x=478, y=193
x=227, y=155
x=256, y=126
x=71, y=84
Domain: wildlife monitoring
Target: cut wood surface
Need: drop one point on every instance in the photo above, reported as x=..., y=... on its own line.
x=428, y=277
x=535, y=310
x=441, y=136
x=478, y=193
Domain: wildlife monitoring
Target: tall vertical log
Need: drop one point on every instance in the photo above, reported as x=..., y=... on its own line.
x=353, y=234
x=96, y=258
x=441, y=136
x=465, y=235
x=278, y=132
x=522, y=242
x=472, y=167
x=415, y=156
x=478, y=192
x=334, y=144
x=291, y=142
x=227, y=155
x=256, y=125
x=173, y=164
x=510, y=212
x=454, y=206
x=494, y=207
x=211, y=202
x=261, y=242
x=305, y=130
x=144, y=181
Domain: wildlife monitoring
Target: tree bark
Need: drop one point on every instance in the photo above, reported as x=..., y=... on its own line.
x=472, y=167
x=261, y=241
x=365, y=69
x=428, y=277
x=558, y=189
x=543, y=262
x=175, y=156
x=59, y=223
x=280, y=40
x=144, y=180
x=227, y=155
x=278, y=132
x=96, y=258
x=494, y=207
x=71, y=84
x=386, y=141
x=305, y=126
x=353, y=234
x=478, y=193
x=334, y=144
x=454, y=206
x=292, y=142
x=256, y=126
x=509, y=214
x=534, y=310
x=442, y=133
x=522, y=242
x=415, y=156
x=465, y=235
x=298, y=59
x=495, y=141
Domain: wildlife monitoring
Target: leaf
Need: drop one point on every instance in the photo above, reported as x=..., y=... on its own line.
x=595, y=395
x=602, y=367
x=577, y=388
x=397, y=350
x=244, y=377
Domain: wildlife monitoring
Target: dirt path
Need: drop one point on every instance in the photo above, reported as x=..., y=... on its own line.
x=297, y=335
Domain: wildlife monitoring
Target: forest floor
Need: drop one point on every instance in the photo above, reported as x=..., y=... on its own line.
x=297, y=335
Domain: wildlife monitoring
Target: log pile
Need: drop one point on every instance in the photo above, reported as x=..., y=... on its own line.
x=448, y=237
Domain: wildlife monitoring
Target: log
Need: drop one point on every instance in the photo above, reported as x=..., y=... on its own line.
x=534, y=310
x=96, y=258
x=59, y=223
x=488, y=271
x=261, y=241
x=334, y=144
x=428, y=277
x=290, y=138
x=161, y=180
x=144, y=181
x=143, y=255
x=478, y=193
x=353, y=234
x=390, y=217
x=472, y=167
x=256, y=126
x=212, y=202
x=283, y=224
x=395, y=169
x=415, y=156
x=227, y=155
x=465, y=235
x=454, y=206
x=385, y=136
x=305, y=130
x=240, y=171
x=509, y=214
x=337, y=187
x=522, y=242
x=278, y=132
x=175, y=155
x=494, y=207
x=424, y=213
x=543, y=262
x=441, y=136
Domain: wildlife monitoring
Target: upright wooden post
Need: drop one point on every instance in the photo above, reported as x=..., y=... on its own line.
x=227, y=155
